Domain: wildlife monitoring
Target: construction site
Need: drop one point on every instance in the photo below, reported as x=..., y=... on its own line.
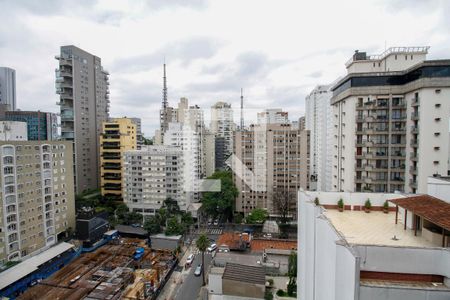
x=123, y=269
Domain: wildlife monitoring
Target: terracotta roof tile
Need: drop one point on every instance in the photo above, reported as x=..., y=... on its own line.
x=430, y=208
x=258, y=245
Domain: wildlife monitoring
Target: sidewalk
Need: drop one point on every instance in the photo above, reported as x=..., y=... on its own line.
x=176, y=279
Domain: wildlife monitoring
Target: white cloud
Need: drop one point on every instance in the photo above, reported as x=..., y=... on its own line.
x=276, y=50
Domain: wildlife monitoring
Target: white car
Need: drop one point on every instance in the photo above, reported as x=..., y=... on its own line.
x=198, y=270
x=189, y=260
x=212, y=248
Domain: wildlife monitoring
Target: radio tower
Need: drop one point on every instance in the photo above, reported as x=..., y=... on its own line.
x=242, y=110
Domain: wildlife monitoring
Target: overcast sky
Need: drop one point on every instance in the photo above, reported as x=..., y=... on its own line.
x=276, y=50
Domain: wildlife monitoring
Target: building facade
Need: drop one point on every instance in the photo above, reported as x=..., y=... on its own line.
x=273, y=116
x=83, y=88
x=391, y=116
x=41, y=126
x=13, y=131
x=271, y=163
x=118, y=136
x=37, y=195
x=318, y=120
x=152, y=175
x=8, y=87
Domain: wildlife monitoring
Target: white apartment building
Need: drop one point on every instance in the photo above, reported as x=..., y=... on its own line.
x=13, y=131
x=354, y=255
x=36, y=196
x=152, y=175
x=318, y=120
x=391, y=122
x=273, y=116
x=190, y=142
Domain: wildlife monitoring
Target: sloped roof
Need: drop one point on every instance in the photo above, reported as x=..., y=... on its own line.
x=244, y=273
x=428, y=207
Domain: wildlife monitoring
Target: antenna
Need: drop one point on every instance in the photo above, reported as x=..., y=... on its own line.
x=242, y=110
x=164, y=102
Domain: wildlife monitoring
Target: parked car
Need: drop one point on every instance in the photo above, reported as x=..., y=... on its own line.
x=198, y=270
x=189, y=260
x=216, y=222
x=212, y=248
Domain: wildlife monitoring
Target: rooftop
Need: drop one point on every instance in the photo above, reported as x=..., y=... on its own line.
x=428, y=207
x=358, y=56
x=244, y=273
x=375, y=228
x=32, y=264
x=259, y=245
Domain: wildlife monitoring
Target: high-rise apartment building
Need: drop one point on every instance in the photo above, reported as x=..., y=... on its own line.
x=222, y=127
x=37, y=195
x=41, y=126
x=118, y=136
x=8, y=87
x=275, y=164
x=152, y=175
x=13, y=131
x=318, y=120
x=391, y=116
x=83, y=87
x=273, y=116
x=139, y=134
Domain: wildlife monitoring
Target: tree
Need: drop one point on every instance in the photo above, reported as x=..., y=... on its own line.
x=222, y=202
x=282, y=200
x=202, y=245
x=186, y=220
x=292, y=273
x=174, y=227
x=152, y=225
x=257, y=216
x=172, y=206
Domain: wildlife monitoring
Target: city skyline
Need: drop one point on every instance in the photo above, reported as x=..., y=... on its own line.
x=207, y=63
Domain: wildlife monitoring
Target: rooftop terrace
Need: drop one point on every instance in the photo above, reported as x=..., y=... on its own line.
x=375, y=228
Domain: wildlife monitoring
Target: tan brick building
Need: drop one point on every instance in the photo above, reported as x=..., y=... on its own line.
x=276, y=156
x=37, y=196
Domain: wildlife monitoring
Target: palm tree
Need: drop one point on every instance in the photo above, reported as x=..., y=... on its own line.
x=202, y=244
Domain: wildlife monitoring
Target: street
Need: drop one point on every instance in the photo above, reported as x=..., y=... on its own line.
x=191, y=285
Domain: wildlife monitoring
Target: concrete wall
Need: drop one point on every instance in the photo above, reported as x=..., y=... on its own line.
x=215, y=283
x=372, y=293
x=377, y=199
x=399, y=260
x=327, y=269
x=439, y=188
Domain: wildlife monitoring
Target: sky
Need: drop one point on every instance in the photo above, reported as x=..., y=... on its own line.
x=276, y=50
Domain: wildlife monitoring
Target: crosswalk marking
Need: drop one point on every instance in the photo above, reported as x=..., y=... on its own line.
x=216, y=231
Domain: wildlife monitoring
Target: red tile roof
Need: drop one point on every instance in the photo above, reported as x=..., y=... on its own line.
x=258, y=245
x=430, y=208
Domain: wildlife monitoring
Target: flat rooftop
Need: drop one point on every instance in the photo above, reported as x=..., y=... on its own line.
x=374, y=228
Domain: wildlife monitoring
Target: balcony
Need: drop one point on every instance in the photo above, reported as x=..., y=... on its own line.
x=67, y=115
x=415, y=143
x=111, y=157
x=368, y=155
x=415, y=101
x=415, y=116
x=413, y=183
x=67, y=135
x=415, y=129
x=413, y=156
x=413, y=170
x=109, y=166
x=400, y=104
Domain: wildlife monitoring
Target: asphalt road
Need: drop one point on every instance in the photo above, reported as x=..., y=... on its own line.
x=190, y=288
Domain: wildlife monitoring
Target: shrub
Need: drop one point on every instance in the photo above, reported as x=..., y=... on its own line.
x=268, y=295
x=386, y=205
x=281, y=293
x=368, y=204
x=340, y=203
x=316, y=201
x=270, y=281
